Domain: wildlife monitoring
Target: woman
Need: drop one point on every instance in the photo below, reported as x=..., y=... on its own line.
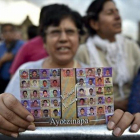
x=107, y=47
x=62, y=28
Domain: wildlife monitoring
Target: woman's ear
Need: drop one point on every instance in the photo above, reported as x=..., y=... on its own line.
x=94, y=24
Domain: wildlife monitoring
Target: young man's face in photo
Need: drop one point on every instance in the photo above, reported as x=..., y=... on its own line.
x=90, y=82
x=100, y=110
x=24, y=84
x=44, y=83
x=98, y=72
x=89, y=72
x=81, y=72
x=91, y=91
x=45, y=94
x=109, y=100
x=25, y=104
x=99, y=89
x=55, y=113
x=82, y=102
x=35, y=113
x=55, y=83
x=45, y=102
x=91, y=100
x=55, y=93
x=55, y=103
x=81, y=82
x=82, y=111
x=99, y=81
x=34, y=74
x=44, y=74
x=35, y=94
x=107, y=72
x=67, y=73
x=25, y=94
x=100, y=100
x=54, y=73
x=81, y=92
x=24, y=74
x=92, y=110
x=45, y=113
x=109, y=109
x=35, y=103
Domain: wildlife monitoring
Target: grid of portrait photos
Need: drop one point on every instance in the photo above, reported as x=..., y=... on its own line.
x=40, y=92
x=95, y=92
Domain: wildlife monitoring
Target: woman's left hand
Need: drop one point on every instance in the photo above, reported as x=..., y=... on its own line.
x=122, y=120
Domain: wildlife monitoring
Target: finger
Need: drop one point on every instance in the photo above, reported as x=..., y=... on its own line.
x=124, y=123
x=4, y=124
x=115, y=119
x=14, y=105
x=136, y=123
x=14, y=119
x=8, y=133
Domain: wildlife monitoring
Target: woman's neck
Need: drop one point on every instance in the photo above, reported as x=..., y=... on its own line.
x=111, y=38
x=49, y=63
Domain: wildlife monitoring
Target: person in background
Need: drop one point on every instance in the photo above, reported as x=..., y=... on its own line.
x=32, y=31
x=106, y=46
x=8, y=50
x=62, y=30
x=33, y=49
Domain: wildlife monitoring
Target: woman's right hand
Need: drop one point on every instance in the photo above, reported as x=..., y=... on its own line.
x=14, y=118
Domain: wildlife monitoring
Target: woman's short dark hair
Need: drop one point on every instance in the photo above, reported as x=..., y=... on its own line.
x=93, y=12
x=54, y=14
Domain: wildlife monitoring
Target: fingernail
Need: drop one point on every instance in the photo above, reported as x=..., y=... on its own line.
x=21, y=130
x=134, y=127
x=31, y=127
x=30, y=118
x=15, y=135
x=117, y=131
x=111, y=125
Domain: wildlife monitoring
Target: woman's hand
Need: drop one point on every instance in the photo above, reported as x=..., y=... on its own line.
x=14, y=118
x=122, y=120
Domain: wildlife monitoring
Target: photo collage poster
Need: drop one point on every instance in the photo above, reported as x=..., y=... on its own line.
x=68, y=96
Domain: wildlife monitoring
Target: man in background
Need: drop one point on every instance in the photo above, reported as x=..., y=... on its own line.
x=8, y=49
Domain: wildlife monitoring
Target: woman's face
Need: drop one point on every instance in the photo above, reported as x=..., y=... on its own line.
x=62, y=41
x=109, y=22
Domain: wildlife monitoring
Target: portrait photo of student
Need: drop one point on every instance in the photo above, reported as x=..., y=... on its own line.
x=82, y=101
x=44, y=74
x=56, y=113
x=24, y=83
x=91, y=91
x=80, y=72
x=99, y=90
x=90, y=72
x=45, y=94
x=46, y=113
x=108, y=117
x=99, y=81
x=55, y=82
x=98, y=72
x=100, y=110
x=35, y=103
x=34, y=74
x=25, y=103
x=44, y=83
x=109, y=99
x=24, y=74
x=55, y=73
x=34, y=94
x=101, y=100
x=81, y=92
x=107, y=72
x=55, y=102
x=45, y=103
x=92, y=101
x=108, y=90
x=34, y=83
x=81, y=82
x=67, y=72
x=82, y=111
x=108, y=81
x=36, y=113
x=24, y=94
x=55, y=93
x=91, y=111
x=109, y=109
x=91, y=82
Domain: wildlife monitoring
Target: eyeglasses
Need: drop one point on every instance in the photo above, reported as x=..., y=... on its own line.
x=58, y=32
